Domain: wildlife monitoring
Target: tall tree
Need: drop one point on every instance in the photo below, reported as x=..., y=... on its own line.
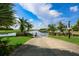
x=29, y=26
x=76, y=26
x=6, y=14
x=51, y=27
x=61, y=26
x=24, y=24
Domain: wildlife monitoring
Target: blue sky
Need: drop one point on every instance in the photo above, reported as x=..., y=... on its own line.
x=41, y=14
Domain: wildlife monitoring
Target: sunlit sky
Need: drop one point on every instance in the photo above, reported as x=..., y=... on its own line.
x=41, y=14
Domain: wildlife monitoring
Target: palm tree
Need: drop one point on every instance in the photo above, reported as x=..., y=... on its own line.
x=76, y=26
x=52, y=28
x=61, y=26
x=24, y=24
x=29, y=26
x=6, y=15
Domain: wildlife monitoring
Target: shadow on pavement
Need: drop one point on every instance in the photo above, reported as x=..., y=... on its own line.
x=31, y=50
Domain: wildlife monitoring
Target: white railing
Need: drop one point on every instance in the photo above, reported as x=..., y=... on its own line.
x=9, y=34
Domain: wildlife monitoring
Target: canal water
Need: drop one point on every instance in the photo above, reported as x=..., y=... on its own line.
x=39, y=34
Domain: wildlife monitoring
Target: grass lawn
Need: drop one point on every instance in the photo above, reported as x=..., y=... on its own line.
x=12, y=44
x=8, y=31
x=17, y=40
x=73, y=39
x=9, y=44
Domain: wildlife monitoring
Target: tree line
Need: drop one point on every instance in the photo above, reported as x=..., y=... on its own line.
x=62, y=29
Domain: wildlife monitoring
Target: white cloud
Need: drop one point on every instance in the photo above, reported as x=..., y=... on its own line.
x=55, y=13
x=74, y=8
x=42, y=11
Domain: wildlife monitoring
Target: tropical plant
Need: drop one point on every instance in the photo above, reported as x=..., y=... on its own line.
x=24, y=24
x=29, y=26
x=61, y=26
x=76, y=26
x=51, y=28
x=6, y=15
x=4, y=49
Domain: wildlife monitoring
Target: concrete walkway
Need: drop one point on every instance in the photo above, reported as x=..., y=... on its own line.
x=44, y=46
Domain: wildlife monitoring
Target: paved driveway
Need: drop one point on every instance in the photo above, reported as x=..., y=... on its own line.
x=44, y=46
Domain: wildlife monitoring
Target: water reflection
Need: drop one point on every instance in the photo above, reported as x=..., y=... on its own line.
x=39, y=34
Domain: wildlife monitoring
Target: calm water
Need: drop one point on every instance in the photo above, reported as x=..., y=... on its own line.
x=39, y=34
